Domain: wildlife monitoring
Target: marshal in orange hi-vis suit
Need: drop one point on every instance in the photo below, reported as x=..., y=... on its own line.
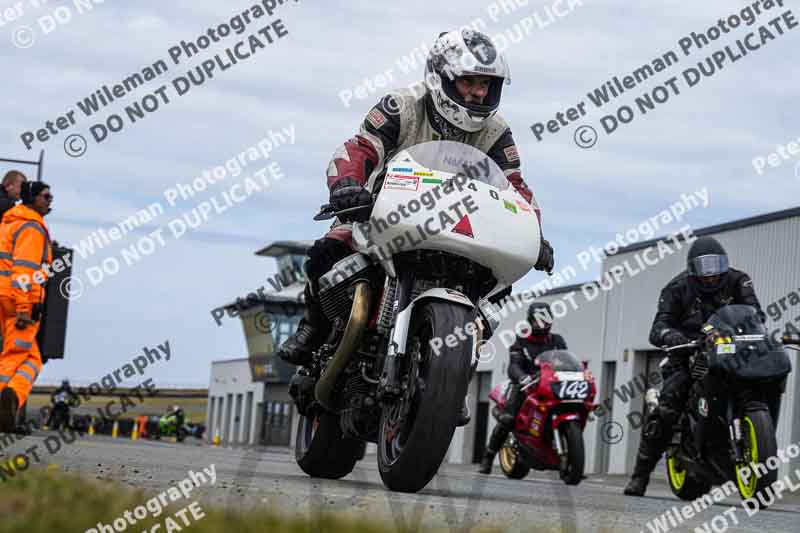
x=25, y=256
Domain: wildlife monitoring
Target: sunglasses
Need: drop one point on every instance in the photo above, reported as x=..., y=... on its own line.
x=47, y=196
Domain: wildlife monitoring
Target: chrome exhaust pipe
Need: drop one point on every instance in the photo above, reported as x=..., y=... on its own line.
x=359, y=315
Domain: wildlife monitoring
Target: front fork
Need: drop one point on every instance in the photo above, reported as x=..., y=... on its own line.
x=557, y=442
x=390, y=387
x=738, y=443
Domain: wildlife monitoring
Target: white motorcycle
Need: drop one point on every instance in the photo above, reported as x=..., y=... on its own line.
x=446, y=239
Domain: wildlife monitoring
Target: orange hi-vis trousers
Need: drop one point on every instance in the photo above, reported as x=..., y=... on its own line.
x=20, y=362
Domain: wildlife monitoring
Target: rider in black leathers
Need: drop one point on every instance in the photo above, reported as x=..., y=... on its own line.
x=65, y=388
x=685, y=305
x=521, y=364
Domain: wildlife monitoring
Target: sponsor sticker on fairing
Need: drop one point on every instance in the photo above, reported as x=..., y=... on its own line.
x=723, y=349
x=405, y=183
x=511, y=207
x=523, y=206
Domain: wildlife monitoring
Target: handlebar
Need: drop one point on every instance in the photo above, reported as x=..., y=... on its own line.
x=789, y=340
x=326, y=211
x=692, y=344
x=531, y=384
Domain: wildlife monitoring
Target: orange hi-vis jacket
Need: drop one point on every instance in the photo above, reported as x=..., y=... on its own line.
x=24, y=249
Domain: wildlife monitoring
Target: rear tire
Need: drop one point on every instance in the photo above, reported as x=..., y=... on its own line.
x=322, y=451
x=682, y=483
x=572, y=440
x=759, y=434
x=510, y=462
x=411, y=451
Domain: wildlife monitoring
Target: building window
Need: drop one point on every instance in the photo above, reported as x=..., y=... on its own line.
x=290, y=269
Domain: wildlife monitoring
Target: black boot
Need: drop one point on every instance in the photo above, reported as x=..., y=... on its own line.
x=646, y=461
x=637, y=486
x=9, y=405
x=496, y=441
x=487, y=461
x=656, y=434
x=310, y=334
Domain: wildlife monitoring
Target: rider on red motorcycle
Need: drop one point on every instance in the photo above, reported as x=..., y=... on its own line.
x=464, y=78
x=522, y=356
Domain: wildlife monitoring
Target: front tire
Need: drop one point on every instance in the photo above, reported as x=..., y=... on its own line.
x=510, y=462
x=760, y=444
x=572, y=441
x=322, y=451
x=416, y=431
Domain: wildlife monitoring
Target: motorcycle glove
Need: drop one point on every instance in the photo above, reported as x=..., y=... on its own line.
x=674, y=338
x=546, y=259
x=527, y=380
x=347, y=193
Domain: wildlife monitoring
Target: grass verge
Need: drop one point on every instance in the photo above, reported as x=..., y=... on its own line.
x=46, y=501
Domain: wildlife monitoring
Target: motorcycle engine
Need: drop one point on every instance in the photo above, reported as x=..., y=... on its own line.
x=336, y=286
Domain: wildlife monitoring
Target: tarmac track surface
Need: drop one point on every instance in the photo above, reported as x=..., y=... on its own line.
x=457, y=498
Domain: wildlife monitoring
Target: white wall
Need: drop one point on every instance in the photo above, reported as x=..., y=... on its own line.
x=232, y=379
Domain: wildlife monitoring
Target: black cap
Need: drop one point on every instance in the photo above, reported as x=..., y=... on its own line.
x=31, y=189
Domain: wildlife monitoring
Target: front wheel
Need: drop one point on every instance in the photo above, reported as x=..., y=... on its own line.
x=759, y=444
x=510, y=462
x=572, y=442
x=415, y=431
x=322, y=451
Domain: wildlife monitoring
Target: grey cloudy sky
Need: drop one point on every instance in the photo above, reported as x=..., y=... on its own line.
x=706, y=136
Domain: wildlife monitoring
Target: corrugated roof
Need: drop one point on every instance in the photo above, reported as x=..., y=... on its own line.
x=719, y=228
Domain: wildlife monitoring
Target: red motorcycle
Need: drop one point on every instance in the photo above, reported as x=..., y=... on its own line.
x=548, y=431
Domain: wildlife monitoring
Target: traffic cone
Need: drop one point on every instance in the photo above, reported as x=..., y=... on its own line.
x=91, y=426
x=115, y=429
x=135, y=432
x=216, y=440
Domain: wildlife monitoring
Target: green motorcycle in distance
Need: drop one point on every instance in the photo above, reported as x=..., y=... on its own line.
x=172, y=425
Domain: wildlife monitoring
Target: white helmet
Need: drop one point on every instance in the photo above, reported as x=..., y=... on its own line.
x=465, y=53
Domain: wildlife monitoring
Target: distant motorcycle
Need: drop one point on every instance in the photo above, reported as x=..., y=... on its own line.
x=729, y=421
x=60, y=415
x=548, y=430
x=172, y=425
